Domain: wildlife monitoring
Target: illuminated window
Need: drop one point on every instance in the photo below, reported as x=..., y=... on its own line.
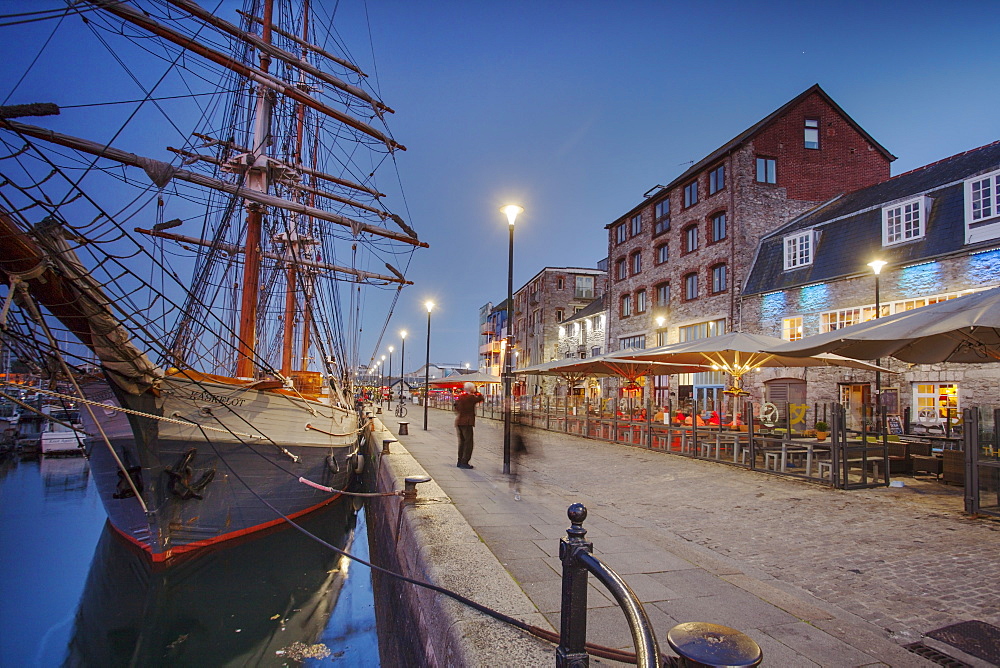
x=791, y=328
x=933, y=403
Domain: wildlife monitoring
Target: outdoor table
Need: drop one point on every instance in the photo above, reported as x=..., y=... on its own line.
x=813, y=447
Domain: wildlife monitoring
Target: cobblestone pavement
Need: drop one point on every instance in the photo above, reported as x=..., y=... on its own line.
x=842, y=573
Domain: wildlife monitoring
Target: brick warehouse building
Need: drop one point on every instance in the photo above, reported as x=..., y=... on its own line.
x=677, y=259
x=938, y=230
x=540, y=305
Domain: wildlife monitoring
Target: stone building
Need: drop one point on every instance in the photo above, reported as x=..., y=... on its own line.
x=937, y=228
x=582, y=334
x=540, y=305
x=678, y=258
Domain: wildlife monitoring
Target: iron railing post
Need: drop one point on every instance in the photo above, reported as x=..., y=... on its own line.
x=572, y=652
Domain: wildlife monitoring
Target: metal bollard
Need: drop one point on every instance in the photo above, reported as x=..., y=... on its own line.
x=385, y=445
x=404, y=428
x=704, y=645
x=571, y=652
x=410, y=486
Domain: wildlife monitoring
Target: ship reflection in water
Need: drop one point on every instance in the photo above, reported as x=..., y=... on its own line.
x=263, y=600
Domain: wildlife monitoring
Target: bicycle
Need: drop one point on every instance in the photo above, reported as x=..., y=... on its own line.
x=401, y=410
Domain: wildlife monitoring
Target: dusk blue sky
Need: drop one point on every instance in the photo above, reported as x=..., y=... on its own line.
x=574, y=109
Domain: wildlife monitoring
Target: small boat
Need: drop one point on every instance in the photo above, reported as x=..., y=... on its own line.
x=210, y=364
x=61, y=434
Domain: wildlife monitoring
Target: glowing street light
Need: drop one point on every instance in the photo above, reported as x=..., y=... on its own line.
x=511, y=211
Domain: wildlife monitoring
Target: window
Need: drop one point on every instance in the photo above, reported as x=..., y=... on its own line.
x=621, y=269
x=636, y=224
x=663, y=294
x=632, y=342
x=935, y=402
x=691, y=194
x=661, y=221
x=982, y=208
x=798, y=250
x=690, y=238
x=595, y=351
x=718, y=227
x=702, y=330
x=767, y=170
x=640, y=301
x=691, y=287
x=718, y=278
x=716, y=179
x=571, y=329
x=626, y=306
x=791, y=328
x=621, y=234
x=832, y=320
x=636, y=263
x=560, y=283
x=662, y=252
x=595, y=323
x=903, y=222
x=559, y=315
x=585, y=287
x=811, y=133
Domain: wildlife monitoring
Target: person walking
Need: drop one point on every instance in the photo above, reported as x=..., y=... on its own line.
x=465, y=422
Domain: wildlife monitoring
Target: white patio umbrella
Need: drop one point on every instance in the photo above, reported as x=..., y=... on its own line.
x=965, y=329
x=613, y=364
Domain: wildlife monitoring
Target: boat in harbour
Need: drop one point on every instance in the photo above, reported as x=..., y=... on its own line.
x=201, y=311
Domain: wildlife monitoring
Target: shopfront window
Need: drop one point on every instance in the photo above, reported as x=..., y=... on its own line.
x=933, y=403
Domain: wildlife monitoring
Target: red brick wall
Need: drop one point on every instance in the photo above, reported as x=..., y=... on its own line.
x=845, y=161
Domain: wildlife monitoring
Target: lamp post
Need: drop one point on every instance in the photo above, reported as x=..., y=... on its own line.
x=511, y=211
x=427, y=365
x=402, y=364
x=388, y=395
x=876, y=266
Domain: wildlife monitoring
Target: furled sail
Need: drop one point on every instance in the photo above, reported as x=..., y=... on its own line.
x=54, y=276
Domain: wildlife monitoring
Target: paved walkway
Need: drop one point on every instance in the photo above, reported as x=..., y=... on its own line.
x=816, y=576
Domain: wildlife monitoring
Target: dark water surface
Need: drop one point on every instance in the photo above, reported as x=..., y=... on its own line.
x=73, y=592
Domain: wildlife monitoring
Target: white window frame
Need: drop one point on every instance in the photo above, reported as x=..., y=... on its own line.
x=982, y=207
x=905, y=221
x=791, y=328
x=797, y=249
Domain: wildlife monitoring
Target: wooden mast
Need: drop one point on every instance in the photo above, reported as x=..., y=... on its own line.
x=256, y=180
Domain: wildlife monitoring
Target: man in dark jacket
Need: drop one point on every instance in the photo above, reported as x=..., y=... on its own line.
x=465, y=421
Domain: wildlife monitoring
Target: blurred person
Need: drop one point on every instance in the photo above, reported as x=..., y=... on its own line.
x=465, y=422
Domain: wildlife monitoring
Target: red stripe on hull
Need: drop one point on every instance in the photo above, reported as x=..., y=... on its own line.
x=197, y=545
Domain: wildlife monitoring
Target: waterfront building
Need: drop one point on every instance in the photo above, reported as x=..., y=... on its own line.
x=540, y=306
x=936, y=228
x=492, y=331
x=677, y=259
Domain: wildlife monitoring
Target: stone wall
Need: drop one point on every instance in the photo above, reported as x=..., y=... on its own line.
x=429, y=540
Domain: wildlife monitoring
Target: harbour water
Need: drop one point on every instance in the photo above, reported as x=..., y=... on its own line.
x=73, y=592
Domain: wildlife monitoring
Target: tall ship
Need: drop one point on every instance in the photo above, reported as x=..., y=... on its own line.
x=197, y=294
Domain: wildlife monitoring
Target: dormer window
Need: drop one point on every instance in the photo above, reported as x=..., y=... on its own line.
x=798, y=250
x=904, y=221
x=982, y=207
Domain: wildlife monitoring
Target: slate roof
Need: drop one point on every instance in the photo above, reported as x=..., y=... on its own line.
x=747, y=135
x=850, y=226
x=593, y=308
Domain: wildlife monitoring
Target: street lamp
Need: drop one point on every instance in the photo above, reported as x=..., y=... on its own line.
x=427, y=365
x=511, y=211
x=876, y=266
x=388, y=395
x=402, y=364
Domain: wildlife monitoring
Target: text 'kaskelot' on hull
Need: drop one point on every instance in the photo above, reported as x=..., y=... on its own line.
x=199, y=313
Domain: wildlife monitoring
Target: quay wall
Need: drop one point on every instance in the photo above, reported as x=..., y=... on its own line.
x=429, y=540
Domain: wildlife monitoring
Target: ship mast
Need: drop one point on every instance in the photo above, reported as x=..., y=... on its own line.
x=256, y=180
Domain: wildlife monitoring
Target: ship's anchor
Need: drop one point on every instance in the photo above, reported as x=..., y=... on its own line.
x=180, y=478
